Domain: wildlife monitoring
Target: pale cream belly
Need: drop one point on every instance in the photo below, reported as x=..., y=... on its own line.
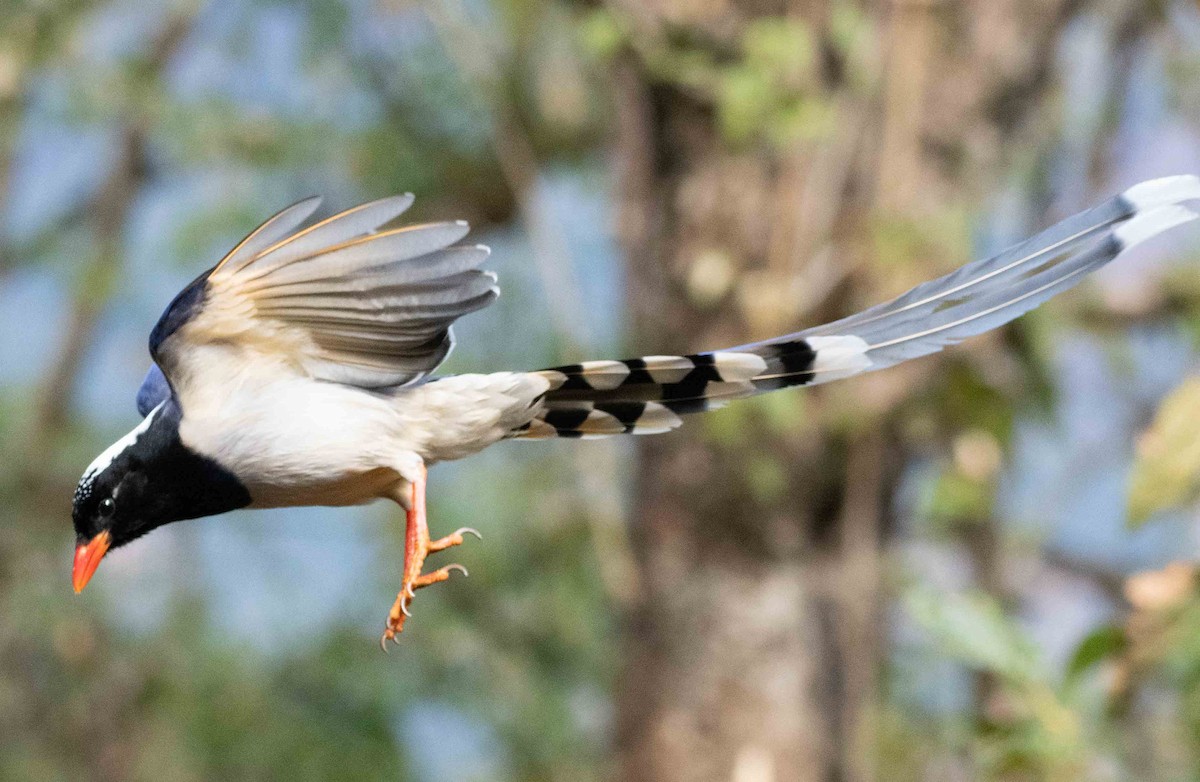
x=355, y=489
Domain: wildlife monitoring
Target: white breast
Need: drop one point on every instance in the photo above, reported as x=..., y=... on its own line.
x=296, y=441
x=290, y=439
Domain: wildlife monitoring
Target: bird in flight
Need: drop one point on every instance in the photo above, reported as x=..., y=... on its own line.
x=297, y=370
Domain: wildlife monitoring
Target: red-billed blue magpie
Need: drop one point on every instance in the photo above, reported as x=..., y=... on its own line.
x=297, y=370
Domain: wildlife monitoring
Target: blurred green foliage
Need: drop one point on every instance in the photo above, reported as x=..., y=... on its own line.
x=764, y=86
x=1029, y=726
x=530, y=645
x=1166, y=473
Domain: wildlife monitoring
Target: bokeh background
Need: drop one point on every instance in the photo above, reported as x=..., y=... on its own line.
x=978, y=566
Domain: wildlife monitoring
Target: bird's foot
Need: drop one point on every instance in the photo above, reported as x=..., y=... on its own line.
x=455, y=538
x=417, y=546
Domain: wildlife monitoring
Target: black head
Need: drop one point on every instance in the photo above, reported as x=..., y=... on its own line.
x=146, y=479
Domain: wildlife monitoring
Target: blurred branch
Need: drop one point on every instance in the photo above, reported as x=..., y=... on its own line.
x=13, y=253
x=1125, y=55
x=109, y=209
x=21, y=62
x=812, y=186
x=809, y=199
x=473, y=183
x=518, y=163
x=859, y=598
x=1112, y=582
x=909, y=63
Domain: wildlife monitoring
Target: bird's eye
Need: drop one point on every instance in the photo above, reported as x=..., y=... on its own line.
x=107, y=507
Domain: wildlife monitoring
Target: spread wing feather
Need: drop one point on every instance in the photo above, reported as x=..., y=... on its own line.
x=340, y=300
x=342, y=227
x=270, y=232
x=399, y=257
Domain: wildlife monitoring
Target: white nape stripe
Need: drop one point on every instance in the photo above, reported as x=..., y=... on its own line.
x=1160, y=192
x=1145, y=225
x=110, y=453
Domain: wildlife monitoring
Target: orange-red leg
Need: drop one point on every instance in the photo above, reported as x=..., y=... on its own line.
x=417, y=546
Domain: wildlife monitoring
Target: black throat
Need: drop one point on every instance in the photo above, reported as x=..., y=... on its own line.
x=157, y=479
x=183, y=484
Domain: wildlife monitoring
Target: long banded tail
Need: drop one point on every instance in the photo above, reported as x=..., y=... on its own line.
x=647, y=395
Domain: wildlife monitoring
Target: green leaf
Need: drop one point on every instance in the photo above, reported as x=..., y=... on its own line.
x=1097, y=646
x=747, y=97
x=803, y=120
x=1166, y=471
x=600, y=34
x=972, y=628
x=781, y=45
x=766, y=479
x=956, y=498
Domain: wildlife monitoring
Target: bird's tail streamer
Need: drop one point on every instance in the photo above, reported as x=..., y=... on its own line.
x=647, y=395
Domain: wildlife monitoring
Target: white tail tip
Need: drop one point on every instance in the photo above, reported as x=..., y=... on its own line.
x=1159, y=192
x=1145, y=225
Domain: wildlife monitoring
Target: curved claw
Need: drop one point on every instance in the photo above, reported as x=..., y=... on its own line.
x=468, y=531
x=404, y=608
x=383, y=640
x=458, y=567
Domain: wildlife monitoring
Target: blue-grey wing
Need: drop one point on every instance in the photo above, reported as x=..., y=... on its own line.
x=154, y=391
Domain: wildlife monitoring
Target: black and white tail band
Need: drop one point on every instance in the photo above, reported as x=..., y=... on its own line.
x=647, y=395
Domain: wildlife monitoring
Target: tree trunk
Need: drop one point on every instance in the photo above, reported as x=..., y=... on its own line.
x=751, y=653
